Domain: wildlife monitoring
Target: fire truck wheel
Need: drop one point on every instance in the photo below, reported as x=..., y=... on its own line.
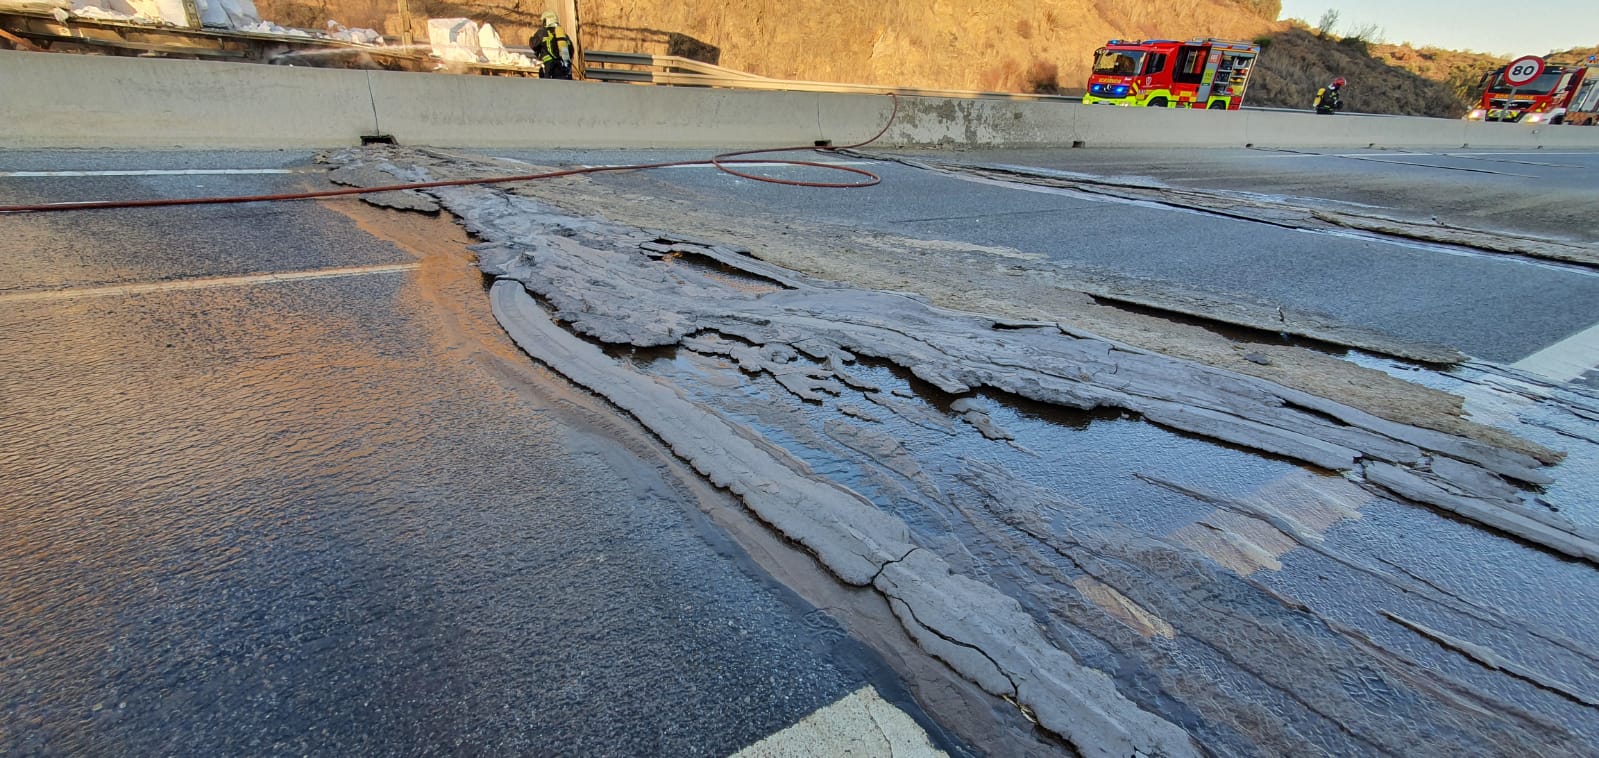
x=1557, y=120
x=1158, y=102
x=1218, y=105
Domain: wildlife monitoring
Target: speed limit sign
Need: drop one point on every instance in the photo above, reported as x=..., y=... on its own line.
x=1523, y=70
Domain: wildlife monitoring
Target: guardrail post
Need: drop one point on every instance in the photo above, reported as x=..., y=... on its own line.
x=575, y=25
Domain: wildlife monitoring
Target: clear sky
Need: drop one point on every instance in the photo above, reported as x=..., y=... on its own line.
x=1504, y=27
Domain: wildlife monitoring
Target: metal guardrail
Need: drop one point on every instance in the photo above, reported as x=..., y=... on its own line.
x=646, y=68
x=600, y=61
x=673, y=70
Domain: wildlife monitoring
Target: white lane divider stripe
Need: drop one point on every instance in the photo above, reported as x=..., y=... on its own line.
x=157, y=172
x=206, y=283
x=1567, y=359
x=861, y=724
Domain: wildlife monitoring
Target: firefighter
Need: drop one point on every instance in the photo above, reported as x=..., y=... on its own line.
x=553, y=49
x=1327, y=100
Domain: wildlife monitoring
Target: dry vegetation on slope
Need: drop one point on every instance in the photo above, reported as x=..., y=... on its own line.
x=1025, y=46
x=962, y=44
x=1297, y=62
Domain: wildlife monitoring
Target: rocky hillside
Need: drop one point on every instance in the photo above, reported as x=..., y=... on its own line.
x=1382, y=78
x=1030, y=45
x=1036, y=45
x=1025, y=46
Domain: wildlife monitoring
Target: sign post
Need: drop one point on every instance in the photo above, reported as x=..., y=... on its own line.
x=1521, y=71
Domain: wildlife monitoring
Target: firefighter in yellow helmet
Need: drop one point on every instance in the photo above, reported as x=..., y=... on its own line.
x=552, y=48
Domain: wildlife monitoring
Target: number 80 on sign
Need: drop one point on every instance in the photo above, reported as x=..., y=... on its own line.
x=1523, y=70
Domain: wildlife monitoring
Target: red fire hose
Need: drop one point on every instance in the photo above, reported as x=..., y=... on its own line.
x=721, y=162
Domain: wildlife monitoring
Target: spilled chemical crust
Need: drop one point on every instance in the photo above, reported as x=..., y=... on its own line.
x=606, y=282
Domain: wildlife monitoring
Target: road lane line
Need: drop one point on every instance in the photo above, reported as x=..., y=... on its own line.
x=206, y=283
x=1565, y=360
x=861, y=724
x=157, y=172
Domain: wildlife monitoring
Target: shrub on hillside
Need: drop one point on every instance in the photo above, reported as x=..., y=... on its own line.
x=1043, y=78
x=1300, y=62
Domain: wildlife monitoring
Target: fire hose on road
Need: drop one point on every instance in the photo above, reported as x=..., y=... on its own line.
x=722, y=162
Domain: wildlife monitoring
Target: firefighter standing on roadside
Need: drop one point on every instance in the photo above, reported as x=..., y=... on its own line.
x=553, y=49
x=1327, y=100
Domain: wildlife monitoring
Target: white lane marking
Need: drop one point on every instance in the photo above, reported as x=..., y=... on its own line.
x=157, y=172
x=206, y=283
x=861, y=724
x=1565, y=360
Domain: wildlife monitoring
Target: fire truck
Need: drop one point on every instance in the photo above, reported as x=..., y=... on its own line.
x=1165, y=73
x=1562, y=94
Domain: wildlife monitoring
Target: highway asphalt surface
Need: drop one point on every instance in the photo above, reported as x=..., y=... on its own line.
x=329, y=515
x=1488, y=306
x=336, y=514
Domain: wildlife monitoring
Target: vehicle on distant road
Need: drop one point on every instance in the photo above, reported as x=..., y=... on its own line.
x=1162, y=73
x=1562, y=94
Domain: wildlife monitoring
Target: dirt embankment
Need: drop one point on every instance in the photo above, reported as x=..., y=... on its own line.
x=1297, y=61
x=1036, y=46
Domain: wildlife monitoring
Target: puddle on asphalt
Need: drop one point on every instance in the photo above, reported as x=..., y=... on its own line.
x=1560, y=418
x=1196, y=610
x=1244, y=597
x=1264, y=606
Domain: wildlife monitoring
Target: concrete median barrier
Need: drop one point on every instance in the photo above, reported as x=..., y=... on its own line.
x=477, y=111
x=1276, y=129
x=1110, y=126
x=59, y=100
x=953, y=122
x=55, y=100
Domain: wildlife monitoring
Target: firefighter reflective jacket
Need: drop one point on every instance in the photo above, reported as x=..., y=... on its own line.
x=551, y=44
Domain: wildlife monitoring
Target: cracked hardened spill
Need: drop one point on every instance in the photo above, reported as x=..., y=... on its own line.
x=1233, y=589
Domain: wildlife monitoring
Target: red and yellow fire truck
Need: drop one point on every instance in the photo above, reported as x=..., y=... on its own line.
x=1562, y=94
x=1165, y=73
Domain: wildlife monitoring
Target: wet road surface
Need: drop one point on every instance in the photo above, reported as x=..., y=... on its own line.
x=342, y=514
x=324, y=501
x=1260, y=604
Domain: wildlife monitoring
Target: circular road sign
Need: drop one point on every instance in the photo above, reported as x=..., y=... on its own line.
x=1523, y=70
